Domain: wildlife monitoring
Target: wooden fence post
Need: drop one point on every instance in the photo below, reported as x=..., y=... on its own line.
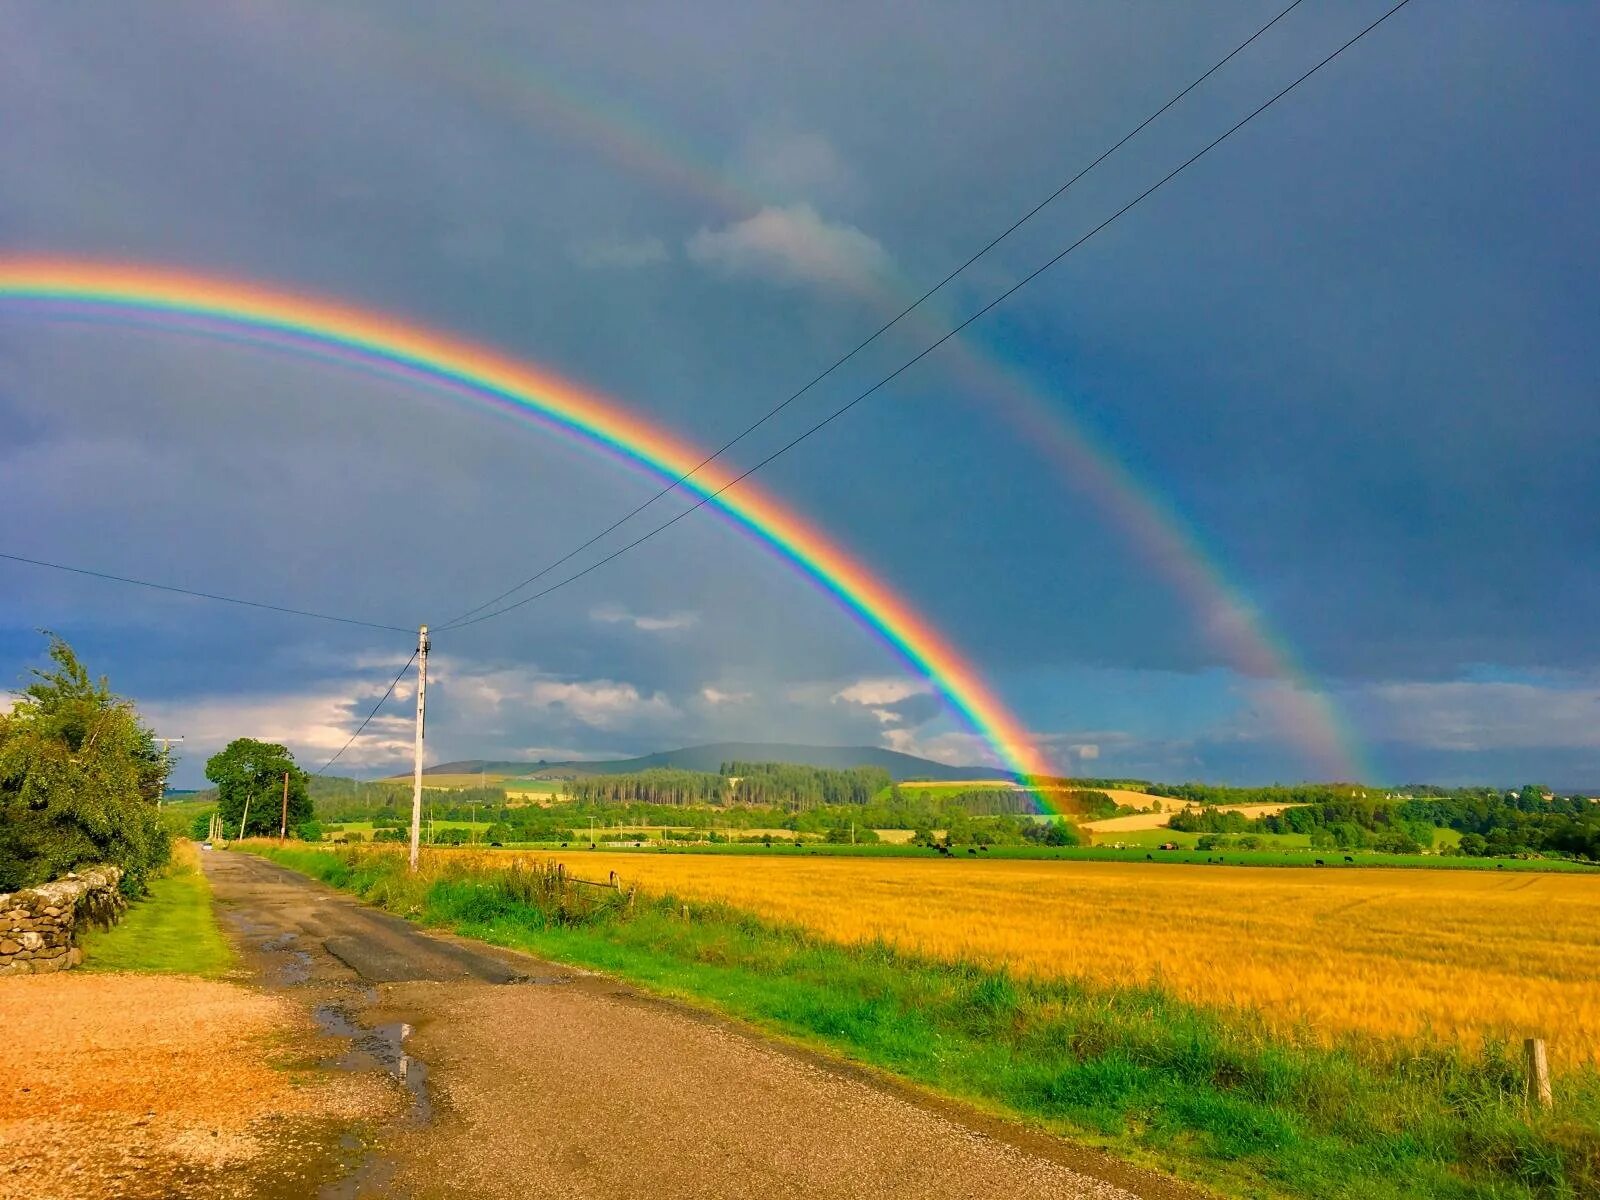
x=1538, y=1074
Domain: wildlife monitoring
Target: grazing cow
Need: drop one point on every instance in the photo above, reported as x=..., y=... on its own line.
x=1320, y=863
x=970, y=850
x=1347, y=858
x=1149, y=858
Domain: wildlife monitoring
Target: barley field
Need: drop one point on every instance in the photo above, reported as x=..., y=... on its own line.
x=1438, y=955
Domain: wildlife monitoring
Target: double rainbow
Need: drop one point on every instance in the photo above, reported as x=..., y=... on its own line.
x=236, y=309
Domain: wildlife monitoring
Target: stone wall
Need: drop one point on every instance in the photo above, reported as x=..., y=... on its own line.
x=39, y=926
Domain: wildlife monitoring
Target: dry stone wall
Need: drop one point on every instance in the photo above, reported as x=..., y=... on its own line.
x=39, y=926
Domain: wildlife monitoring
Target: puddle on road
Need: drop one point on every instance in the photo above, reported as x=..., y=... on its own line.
x=374, y=1048
x=282, y=963
x=381, y=1048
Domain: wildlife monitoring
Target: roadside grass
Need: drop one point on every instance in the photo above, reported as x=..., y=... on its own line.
x=1208, y=1094
x=170, y=931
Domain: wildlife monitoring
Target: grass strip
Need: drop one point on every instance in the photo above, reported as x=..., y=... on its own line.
x=1210, y=1095
x=169, y=931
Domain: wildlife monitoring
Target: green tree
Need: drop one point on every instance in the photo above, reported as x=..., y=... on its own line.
x=80, y=780
x=252, y=771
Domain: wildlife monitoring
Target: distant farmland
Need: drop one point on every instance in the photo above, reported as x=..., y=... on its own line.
x=1438, y=955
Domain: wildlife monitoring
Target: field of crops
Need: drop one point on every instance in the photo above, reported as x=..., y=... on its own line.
x=1394, y=953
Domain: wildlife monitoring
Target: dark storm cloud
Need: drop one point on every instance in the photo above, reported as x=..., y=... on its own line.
x=1354, y=349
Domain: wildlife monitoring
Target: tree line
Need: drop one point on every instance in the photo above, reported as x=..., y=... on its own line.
x=1531, y=820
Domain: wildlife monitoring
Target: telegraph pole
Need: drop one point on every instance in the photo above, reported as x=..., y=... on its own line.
x=283, y=825
x=166, y=750
x=416, y=766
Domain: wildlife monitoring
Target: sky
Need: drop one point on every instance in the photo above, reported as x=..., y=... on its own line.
x=1292, y=472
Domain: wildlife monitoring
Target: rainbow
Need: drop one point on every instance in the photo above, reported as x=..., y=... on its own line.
x=515, y=87
x=283, y=319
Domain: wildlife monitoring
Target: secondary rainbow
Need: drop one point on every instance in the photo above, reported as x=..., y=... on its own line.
x=248, y=310
x=519, y=88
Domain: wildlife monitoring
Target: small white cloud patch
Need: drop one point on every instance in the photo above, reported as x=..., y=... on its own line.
x=793, y=245
x=614, y=614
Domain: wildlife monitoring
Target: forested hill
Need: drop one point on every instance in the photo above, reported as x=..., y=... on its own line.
x=711, y=757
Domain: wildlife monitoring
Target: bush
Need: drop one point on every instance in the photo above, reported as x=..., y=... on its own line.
x=80, y=781
x=309, y=831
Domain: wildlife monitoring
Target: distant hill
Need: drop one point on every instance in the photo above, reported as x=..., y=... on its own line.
x=711, y=757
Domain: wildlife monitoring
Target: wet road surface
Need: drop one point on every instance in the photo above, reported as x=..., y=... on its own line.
x=528, y=1080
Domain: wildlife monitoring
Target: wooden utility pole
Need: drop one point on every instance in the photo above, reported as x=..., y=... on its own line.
x=416, y=766
x=283, y=825
x=245, y=816
x=166, y=751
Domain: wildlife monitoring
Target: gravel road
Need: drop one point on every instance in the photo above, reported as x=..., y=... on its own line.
x=530, y=1080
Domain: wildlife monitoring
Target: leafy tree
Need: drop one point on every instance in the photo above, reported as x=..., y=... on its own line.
x=309, y=831
x=80, y=780
x=498, y=832
x=251, y=771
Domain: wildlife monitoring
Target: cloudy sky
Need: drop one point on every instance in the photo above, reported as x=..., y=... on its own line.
x=1291, y=472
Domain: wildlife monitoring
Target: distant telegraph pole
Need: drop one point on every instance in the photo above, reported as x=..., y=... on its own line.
x=283, y=825
x=416, y=766
x=166, y=749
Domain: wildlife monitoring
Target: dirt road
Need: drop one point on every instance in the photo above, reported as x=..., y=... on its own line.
x=527, y=1080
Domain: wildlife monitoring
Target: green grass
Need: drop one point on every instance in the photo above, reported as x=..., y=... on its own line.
x=1149, y=839
x=170, y=931
x=179, y=815
x=1213, y=1096
x=1288, y=857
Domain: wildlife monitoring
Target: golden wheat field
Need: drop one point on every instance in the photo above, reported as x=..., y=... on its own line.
x=1434, y=954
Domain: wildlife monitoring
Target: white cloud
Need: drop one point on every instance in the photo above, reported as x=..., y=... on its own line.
x=713, y=695
x=313, y=724
x=883, y=690
x=613, y=614
x=953, y=748
x=885, y=699
x=517, y=692
x=1468, y=715
x=793, y=245
x=619, y=253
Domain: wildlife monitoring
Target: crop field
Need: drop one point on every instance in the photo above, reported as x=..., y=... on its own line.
x=1437, y=955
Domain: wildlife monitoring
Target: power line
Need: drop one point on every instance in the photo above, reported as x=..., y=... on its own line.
x=182, y=591
x=882, y=329
x=1001, y=298
x=389, y=691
